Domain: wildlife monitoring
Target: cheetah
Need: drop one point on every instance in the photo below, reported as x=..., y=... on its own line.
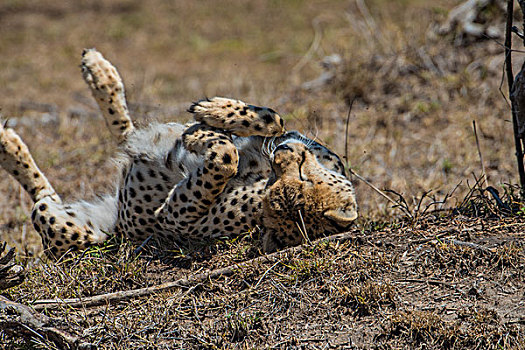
x=233, y=169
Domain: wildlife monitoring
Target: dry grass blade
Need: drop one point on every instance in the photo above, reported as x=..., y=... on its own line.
x=479, y=149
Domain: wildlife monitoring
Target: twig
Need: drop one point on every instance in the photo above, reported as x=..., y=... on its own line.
x=346, y=128
x=265, y=273
x=396, y=204
x=479, y=150
x=437, y=236
x=352, y=172
x=433, y=282
x=21, y=320
x=183, y=282
x=468, y=245
x=510, y=82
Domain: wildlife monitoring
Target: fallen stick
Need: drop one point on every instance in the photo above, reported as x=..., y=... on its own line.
x=433, y=282
x=10, y=274
x=468, y=245
x=183, y=282
x=18, y=319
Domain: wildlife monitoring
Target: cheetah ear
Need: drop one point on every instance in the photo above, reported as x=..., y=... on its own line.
x=345, y=216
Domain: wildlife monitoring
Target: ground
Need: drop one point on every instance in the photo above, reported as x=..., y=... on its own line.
x=444, y=279
x=451, y=282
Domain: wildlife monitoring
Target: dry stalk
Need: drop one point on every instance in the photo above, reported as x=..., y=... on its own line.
x=510, y=82
x=479, y=151
x=352, y=172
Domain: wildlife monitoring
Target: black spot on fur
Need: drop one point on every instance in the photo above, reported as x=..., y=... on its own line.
x=268, y=118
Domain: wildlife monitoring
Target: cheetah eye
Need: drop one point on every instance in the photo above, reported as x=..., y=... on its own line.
x=283, y=147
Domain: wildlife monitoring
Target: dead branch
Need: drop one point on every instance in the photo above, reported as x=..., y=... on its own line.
x=515, y=106
x=480, y=155
x=10, y=274
x=20, y=320
x=183, y=282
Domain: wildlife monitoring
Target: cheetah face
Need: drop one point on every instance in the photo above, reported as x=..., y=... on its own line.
x=304, y=197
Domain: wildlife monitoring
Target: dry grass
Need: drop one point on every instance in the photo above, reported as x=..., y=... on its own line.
x=398, y=283
x=390, y=288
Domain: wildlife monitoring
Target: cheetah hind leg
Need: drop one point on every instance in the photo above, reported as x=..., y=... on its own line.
x=107, y=88
x=17, y=161
x=62, y=227
x=237, y=117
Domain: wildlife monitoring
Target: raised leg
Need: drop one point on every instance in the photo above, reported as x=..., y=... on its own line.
x=61, y=226
x=17, y=161
x=238, y=117
x=187, y=206
x=108, y=90
x=191, y=198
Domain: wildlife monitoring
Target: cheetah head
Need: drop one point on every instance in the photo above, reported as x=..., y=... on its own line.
x=304, y=199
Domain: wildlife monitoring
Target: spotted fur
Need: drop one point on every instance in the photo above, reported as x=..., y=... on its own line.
x=231, y=171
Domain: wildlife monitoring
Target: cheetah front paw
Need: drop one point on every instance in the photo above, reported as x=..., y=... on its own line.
x=238, y=117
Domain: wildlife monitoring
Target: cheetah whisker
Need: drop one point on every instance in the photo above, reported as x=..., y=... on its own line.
x=302, y=230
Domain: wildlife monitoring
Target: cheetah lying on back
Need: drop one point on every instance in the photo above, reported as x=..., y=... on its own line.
x=232, y=170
